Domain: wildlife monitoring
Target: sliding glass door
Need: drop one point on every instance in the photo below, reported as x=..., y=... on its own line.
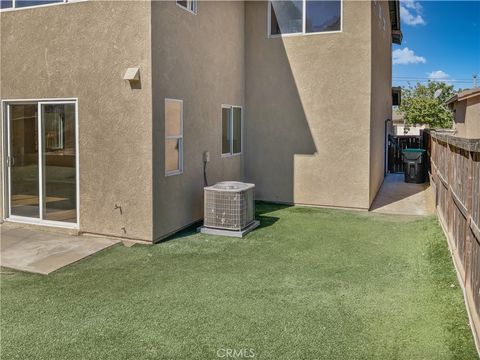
x=59, y=162
x=42, y=162
x=23, y=160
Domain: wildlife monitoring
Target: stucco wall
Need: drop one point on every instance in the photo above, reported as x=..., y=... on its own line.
x=308, y=111
x=472, y=117
x=460, y=108
x=82, y=50
x=381, y=89
x=467, y=117
x=201, y=62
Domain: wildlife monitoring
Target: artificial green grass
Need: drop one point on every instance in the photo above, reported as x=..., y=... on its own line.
x=308, y=284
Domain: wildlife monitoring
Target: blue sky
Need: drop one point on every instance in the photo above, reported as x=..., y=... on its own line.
x=441, y=40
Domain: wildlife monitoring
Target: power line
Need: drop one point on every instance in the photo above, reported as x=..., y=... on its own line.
x=426, y=78
x=438, y=80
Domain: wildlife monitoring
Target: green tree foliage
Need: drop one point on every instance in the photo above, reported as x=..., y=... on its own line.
x=419, y=105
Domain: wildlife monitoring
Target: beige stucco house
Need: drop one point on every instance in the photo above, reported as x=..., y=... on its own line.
x=466, y=110
x=109, y=108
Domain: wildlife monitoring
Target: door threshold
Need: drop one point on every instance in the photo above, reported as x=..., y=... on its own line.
x=71, y=229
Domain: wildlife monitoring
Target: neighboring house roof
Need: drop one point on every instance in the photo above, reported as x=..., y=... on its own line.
x=463, y=95
x=397, y=36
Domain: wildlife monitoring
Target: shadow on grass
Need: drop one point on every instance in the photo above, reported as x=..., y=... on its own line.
x=261, y=208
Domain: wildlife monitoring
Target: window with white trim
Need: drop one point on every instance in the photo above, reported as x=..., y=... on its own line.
x=297, y=17
x=18, y=4
x=190, y=5
x=231, y=130
x=173, y=136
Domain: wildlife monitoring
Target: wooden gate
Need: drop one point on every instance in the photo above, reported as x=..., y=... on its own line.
x=395, y=146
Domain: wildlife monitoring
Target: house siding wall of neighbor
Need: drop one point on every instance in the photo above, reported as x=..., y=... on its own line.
x=460, y=109
x=200, y=61
x=308, y=111
x=381, y=84
x=467, y=117
x=82, y=50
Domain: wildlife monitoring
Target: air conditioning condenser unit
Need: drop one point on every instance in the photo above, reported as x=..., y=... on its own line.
x=229, y=209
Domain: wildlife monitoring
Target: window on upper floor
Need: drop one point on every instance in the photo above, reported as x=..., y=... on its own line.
x=18, y=4
x=190, y=5
x=396, y=96
x=297, y=17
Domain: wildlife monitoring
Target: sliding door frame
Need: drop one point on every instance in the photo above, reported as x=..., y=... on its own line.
x=6, y=140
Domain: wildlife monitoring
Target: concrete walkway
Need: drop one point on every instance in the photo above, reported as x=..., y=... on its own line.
x=397, y=197
x=42, y=252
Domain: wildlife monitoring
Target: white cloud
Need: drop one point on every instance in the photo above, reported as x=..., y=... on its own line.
x=406, y=56
x=411, y=13
x=438, y=75
x=411, y=4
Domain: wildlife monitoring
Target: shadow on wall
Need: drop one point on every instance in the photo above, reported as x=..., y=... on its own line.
x=308, y=111
x=276, y=125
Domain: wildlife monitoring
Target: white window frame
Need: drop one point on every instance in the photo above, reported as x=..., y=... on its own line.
x=174, y=137
x=63, y=2
x=230, y=122
x=304, y=23
x=190, y=3
x=6, y=141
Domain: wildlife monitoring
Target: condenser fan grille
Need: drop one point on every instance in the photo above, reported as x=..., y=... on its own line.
x=229, y=205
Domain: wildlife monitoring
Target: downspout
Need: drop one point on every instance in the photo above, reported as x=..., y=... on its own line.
x=385, y=169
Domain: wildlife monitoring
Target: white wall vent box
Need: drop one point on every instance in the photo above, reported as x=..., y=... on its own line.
x=229, y=209
x=132, y=74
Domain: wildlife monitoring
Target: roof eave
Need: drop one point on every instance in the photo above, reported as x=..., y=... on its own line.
x=452, y=99
x=397, y=37
x=394, y=7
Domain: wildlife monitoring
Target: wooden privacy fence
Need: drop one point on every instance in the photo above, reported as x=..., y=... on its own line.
x=455, y=176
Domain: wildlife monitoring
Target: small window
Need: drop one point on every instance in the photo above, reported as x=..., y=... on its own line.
x=304, y=16
x=190, y=5
x=286, y=17
x=173, y=136
x=322, y=16
x=231, y=130
x=6, y=4
x=25, y=3
x=18, y=4
x=396, y=96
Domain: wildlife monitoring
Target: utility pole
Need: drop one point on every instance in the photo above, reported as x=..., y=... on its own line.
x=475, y=76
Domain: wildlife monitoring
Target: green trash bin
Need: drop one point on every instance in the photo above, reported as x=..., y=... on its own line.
x=415, y=165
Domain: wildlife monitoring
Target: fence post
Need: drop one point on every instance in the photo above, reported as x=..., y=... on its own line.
x=449, y=177
x=468, y=233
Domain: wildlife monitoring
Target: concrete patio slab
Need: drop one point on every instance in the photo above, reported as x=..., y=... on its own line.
x=43, y=252
x=397, y=197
